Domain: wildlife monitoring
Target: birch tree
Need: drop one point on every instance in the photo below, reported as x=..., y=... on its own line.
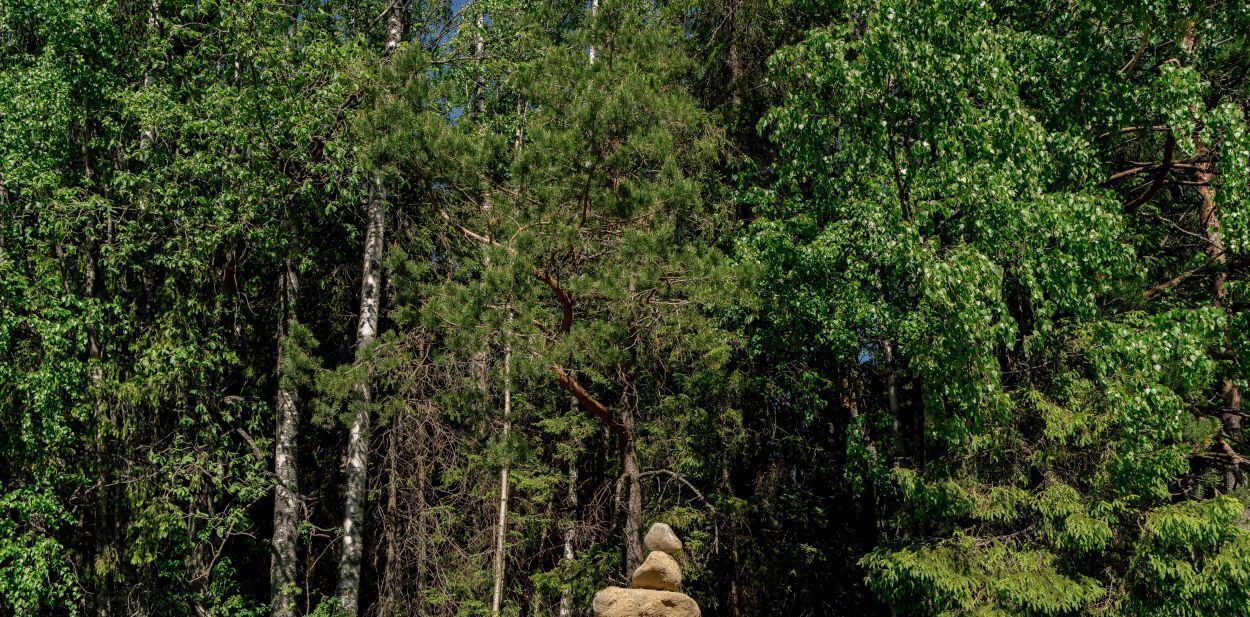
x=286, y=504
x=356, y=478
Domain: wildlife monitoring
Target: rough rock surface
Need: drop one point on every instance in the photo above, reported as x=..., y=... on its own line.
x=618, y=602
x=661, y=538
x=655, y=583
x=659, y=571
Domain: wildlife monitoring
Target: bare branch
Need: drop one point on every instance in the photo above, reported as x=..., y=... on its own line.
x=1169, y=148
x=680, y=478
x=1141, y=49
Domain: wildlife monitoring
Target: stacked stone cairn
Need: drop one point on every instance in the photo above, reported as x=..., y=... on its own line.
x=656, y=588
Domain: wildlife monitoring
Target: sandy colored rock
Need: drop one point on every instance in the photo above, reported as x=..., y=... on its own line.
x=618, y=602
x=661, y=538
x=659, y=571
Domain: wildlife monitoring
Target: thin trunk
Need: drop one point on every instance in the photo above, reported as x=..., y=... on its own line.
x=105, y=519
x=1230, y=393
x=633, y=475
x=733, y=57
x=891, y=382
x=501, y=528
x=735, y=589
x=390, y=575
x=633, y=509
x=570, y=531
x=423, y=457
x=891, y=387
x=285, y=468
x=594, y=11
x=356, y=482
x=199, y=563
x=856, y=428
x=479, y=51
x=520, y=127
x=147, y=134
x=394, y=26
x=358, y=435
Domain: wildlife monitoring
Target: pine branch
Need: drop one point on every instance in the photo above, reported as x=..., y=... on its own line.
x=584, y=399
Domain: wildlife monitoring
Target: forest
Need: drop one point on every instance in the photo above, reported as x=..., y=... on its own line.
x=379, y=308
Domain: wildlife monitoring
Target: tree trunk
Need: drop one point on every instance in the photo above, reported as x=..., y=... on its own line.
x=1230, y=393
x=390, y=575
x=891, y=382
x=629, y=453
x=356, y=483
x=501, y=529
x=479, y=50
x=594, y=11
x=394, y=26
x=106, y=522
x=632, y=474
x=735, y=571
x=570, y=531
x=286, y=469
x=633, y=510
x=358, y=435
x=733, y=57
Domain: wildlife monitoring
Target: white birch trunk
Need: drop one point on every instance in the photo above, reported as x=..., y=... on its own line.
x=356, y=482
x=501, y=528
x=286, y=470
x=594, y=10
x=358, y=435
x=394, y=26
x=479, y=50
x=570, y=533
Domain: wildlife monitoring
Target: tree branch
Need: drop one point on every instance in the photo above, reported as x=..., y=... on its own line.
x=565, y=380
x=566, y=303
x=1120, y=175
x=1131, y=129
x=1141, y=49
x=584, y=399
x=1210, y=265
x=684, y=481
x=1169, y=147
x=469, y=233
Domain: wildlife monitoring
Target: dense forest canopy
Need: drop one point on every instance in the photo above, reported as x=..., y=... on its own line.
x=431, y=307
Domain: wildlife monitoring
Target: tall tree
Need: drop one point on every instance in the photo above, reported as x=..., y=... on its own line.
x=954, y=227
x=940, y=311
x=286, y=502
x=357, y=472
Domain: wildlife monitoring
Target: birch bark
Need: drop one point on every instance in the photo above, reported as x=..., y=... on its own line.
x=570, y=534
x=358, y=433
x=285, y=468
x=501, y=529
x=356, y=481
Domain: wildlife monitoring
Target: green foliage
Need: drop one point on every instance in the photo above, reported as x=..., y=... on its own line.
x=910, y=308
x=940, y=190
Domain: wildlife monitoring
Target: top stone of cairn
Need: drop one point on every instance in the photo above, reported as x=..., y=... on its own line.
x=661, y=538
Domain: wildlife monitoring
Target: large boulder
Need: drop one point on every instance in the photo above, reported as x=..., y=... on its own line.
x=659, y=571
x=618, y=602
x=661, y=538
